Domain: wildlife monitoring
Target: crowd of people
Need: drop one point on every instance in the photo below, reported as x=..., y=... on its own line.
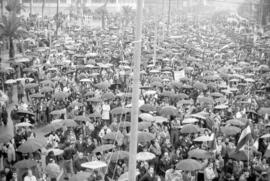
x=204, y=104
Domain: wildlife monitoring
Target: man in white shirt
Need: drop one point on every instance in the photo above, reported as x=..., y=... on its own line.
x=30, y=176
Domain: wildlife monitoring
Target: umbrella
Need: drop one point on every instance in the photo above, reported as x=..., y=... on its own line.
x=200, y=86
x=85, y=80
x=144, y=125
x=230, y=130
x=60, y=95
x=189, y=165
x=55, y=151
x=80, y=176
x=103, y=85
x=148, y=108
x=37, y=95
x=221, y=106
x=190, y=121
x=10, y=81
x=23, y=124
x=169, y=111
x=203, y=138
x=53, y=170
x=190, y=128
x=25, y=164
x=156, y=84
x=199, y=154
x=25, y=112
x=103, y=148
x=144, y=137
x=69, y=123
x=160, y=119
x=58, y=112
x=95, y=115
x=94, y=165
x=47, y=82
x=124, y=124
x=112, y=136
x=119, y=110
x=207, y=100
x=108, y=96
x=242, y=155
x=235, y=122
x=46, y=89
x=119, y=155
x=144, y=156
x=31, y=86
x=4, y=138
x=51, y=127
x=146, y=117
x=82, y=118
x=94, y=99
x=266, y=135
x=29, y=146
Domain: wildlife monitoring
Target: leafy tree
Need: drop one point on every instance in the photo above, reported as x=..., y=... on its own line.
x=11, y=28
x=103, y=13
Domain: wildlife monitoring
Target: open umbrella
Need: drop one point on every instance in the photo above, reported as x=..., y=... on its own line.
x=103, y=85
x=190, y=128
x=119, y=155
x=69, y=123
x=189, y=165
x=160, y=119
x=10, y=81
x=169, y=111
x=82, y=118
x=203, y=138
x=25, y=164
x=25, y=112
x=103, y=148
x=37, y=95
x=46, y=89
x=29, y=146
x=51, y=127
x=144, y=125
x=31, y=85
x=144, y=137
x=95, y=115
x=94, y=165
x=53, y=170
x=60, y=95
x=144, y=156
x=230, y=130
x=108, y=96
x=24, y=124
x=146, y=117
x=112, y=136
x=56, y=151
x=242, y=155
x=199, y=154
x=148, y=108
x=190, y=121
x=120, y=110
x=80, y=176
x=235, y=122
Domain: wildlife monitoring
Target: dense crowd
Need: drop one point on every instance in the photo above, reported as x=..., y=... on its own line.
x=204, y=104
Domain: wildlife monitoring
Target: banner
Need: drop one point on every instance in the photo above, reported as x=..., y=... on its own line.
x=179, y=75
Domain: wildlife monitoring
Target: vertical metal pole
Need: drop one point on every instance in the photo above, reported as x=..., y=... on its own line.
x=31, y=7
x=135, y=95
x=155, y=42
x=169, y=18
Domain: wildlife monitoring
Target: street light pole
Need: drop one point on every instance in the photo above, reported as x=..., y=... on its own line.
x=169, y=17
x=135, y=94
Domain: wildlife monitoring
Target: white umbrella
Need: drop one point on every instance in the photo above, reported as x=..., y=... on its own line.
x=24, y=124
x=266, y=135
x=144, y=156
x=56, y=151
x=160, y=119
x=190, y=120
x=146, y=117
x=203, y=138
x=10, y=81
x=94, y=165
x=221, y=106
x=85, y=80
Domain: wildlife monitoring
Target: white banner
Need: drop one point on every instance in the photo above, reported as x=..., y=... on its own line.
x=179, y=74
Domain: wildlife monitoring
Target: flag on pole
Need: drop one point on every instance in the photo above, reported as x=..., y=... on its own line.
x=256, y=144
x=244, y=137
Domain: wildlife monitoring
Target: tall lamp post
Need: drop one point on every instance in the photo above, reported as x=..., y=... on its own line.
x=135, y=94
x=169, y=18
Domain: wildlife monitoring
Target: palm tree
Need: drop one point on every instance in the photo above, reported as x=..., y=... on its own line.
x=11, y=28
x=128, y=14
x=2, y=7
x=102, y=11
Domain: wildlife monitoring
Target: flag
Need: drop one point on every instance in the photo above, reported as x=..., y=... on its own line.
x=256, y=144
x=213, y=142
x=244, y=137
